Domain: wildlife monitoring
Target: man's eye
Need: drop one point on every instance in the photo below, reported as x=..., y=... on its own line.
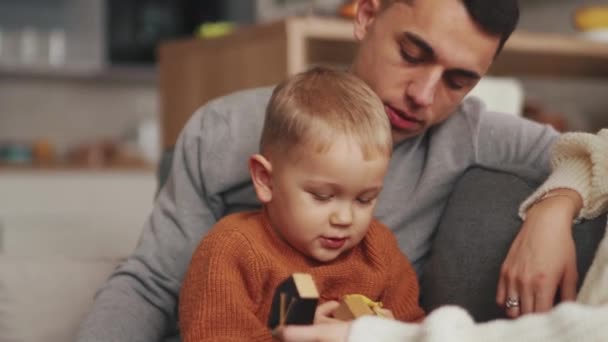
x=411, y=58
x=459, y=82
x=365, y=200
x=454, y=84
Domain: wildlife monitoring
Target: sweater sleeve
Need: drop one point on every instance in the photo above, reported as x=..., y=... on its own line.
x=402, y=291
x=217, y=301
x=580, y=162
x=569, y=322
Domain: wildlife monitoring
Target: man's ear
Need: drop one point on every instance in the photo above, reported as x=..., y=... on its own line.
x=367, y=11
x=261, y=175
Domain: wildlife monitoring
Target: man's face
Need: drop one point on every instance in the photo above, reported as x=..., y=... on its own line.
x=323, y=202
x=421, y=59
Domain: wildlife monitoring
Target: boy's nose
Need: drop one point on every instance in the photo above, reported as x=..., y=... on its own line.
x=342, y=216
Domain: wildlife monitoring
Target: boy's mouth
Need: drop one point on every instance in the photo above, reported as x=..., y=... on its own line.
x=332, y=242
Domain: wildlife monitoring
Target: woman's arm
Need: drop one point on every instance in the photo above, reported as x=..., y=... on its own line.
x=580, y=163
x=541, y=260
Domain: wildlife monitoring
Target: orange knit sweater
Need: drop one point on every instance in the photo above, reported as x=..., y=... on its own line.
x=228, y=289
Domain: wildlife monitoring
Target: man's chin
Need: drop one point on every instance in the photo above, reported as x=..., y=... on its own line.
x=400, y=135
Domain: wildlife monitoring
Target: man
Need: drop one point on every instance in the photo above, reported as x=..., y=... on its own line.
x=421, y=57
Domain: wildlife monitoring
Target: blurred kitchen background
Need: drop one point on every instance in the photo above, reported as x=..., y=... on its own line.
x=79, y=79
x=93, y=92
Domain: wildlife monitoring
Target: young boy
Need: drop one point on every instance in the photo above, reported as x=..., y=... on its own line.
x=325, y=148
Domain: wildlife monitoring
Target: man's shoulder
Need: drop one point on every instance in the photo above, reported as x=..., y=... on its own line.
x=242, y=99
x=241, y=110
x=223, y=134
x=466, y=116
x=474, y=112
x=244, y=105
x=471, y=119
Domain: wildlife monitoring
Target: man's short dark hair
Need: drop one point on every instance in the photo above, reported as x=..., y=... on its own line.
x=496, y=17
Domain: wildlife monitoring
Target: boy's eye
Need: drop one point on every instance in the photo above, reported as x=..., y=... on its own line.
x=321, y=197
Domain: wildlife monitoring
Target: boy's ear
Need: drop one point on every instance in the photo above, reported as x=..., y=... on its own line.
x=367, y=11
x=261, y=175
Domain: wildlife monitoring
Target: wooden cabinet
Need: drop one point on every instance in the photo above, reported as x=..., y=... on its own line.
x=193, y=71
x=73, y=213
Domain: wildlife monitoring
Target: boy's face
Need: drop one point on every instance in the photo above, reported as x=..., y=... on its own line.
x=322, y=202
x=421, y=59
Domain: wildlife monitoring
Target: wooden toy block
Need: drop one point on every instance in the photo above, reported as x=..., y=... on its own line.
x=356, y=305
x=295, y=301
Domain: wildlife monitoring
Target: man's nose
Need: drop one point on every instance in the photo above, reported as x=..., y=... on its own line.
x=342, y=215
x=422, y=89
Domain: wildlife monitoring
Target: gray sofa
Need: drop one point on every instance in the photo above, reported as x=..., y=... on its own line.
x=473, y=238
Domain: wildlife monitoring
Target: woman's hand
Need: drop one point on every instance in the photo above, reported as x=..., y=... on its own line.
x=542, y=258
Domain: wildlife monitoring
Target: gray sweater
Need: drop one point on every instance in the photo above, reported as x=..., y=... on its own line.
x=210, y=179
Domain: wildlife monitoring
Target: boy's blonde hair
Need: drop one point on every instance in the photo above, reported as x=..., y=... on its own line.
x=310, y=109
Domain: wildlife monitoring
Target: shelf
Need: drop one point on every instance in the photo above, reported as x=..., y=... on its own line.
x=525, y=53
x=15, y=167
x=136, y=74
x=194, y=71
x=552, y=55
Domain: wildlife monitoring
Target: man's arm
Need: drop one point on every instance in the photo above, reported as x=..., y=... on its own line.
x=138, y=302
x=209, y=177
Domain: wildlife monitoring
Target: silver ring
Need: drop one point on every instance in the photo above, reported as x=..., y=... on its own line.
x=512, y=302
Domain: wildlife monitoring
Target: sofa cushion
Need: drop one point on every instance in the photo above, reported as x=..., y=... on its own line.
x=476, y=230
x=44, y=299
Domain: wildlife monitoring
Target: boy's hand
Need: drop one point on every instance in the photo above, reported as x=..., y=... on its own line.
x=324, y=312
x=337, y=332
x=386, y=313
